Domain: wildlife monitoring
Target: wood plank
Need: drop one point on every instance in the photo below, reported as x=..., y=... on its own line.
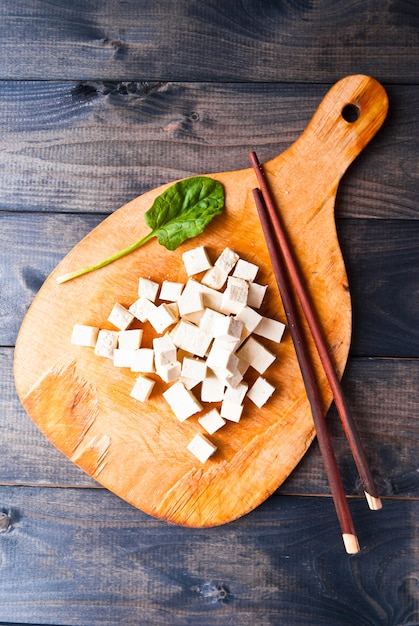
x=84, y=557
x=93, y=146
x=381, y=258
x=291, y=41
x=373, y=386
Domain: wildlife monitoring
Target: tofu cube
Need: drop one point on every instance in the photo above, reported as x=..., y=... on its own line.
x=170, y=290
x=120, y=316
x=173, y=307
x=194, y=369
x=260, y=392
x=231, y=329
x=259, y=357
x=211, y=421
x=213, y=322
x=141, y=308
x=222, y=361
x=142, y=389
x=161, y=317
x=191, y=299
x=249, y=318
x=189, y=383
x=196, y=260
x=165, y=351
x=123, y=357
x=148, y=289
x=234, y=298
x=227, y=260
x=191, y=338
x=211, y=297
x=236, y=395
x=182, y=401
x=270, y=329
x=256, y=294
x=231, y=411
x=143, y=361
x=84, y=335
x=201, y=447
x=215, y=278
x=107, y=341
x=169, y=371
x=130, y=339
x=212, y=389
x=245, y=270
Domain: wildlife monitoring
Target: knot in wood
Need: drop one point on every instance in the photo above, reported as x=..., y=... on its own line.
x=5, y=522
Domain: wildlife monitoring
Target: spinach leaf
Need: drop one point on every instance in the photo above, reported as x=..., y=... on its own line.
x=184, y=210
x=181, y=212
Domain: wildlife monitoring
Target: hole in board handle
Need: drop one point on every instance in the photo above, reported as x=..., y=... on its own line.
x=351, y=113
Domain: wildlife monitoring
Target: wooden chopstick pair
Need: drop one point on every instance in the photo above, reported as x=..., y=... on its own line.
x=287, y=273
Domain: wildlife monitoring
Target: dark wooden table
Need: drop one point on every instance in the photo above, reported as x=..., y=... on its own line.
x=102, y=100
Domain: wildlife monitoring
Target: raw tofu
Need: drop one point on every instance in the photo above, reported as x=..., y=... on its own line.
x=227, y=260
x=270, y=329
x=140, y=308
x=215, y=278
x=130, y=339
x=259, y=357
x=245, y=270
x=191, y=300
x=148, y=289
x=213, y=322
x=194, y=369
x=143, y=360
x=191, y=338
x=223, y=361
x=236, y=395
x=120, y=316
x=170, y=290
x=161, y=317
x=84, y=335
x=256, y=295
x=182, y=401
x=196, y=260
x=123, y=357
x=234, y=298
x=212, y=389
x=211, y=421
x=201, y=447
x=211, y=298
x=169, y=371
x=231, y=411
x=260, y=392
x=165, y=351
x=249, y=318
x=107, y=341
x=142, y=389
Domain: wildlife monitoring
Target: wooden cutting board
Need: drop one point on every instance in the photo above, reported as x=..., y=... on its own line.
x=138, y=450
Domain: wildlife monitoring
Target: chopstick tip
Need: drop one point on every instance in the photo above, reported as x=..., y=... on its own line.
x=351, y=543
x=374, y=503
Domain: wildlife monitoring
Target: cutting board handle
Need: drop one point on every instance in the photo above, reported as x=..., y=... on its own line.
x=347, y=118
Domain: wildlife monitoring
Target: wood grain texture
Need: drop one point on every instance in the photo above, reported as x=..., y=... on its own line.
x=234, y=41
x=92, y=146
x=29, y=458
x=75, y=557
x=135, y=94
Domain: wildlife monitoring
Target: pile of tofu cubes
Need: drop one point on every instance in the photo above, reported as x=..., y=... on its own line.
x=207, y=336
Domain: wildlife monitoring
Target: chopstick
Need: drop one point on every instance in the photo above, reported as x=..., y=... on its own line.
x=349, y=426
x=349, y=537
